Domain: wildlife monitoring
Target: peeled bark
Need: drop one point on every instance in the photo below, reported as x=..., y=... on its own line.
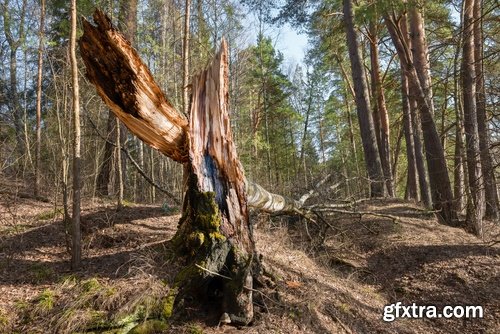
x=128, y=24
x=127, y=86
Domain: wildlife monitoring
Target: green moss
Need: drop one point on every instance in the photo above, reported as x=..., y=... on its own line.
x=98, y=319
x=168, y=303
x=196, y=239
x=149, y=327
x=217, y=236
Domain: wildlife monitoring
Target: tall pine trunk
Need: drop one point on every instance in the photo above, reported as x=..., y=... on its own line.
x=491, y=193
x=475, y=198
x=411, y=184
x=436, y=163
x=420, y=52
x=368, y=136
x=383, y=121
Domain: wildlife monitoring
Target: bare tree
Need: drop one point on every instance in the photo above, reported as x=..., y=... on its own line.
x=39, y=97
x=76, y=251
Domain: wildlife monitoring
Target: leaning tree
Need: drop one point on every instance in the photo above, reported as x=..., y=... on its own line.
x=214, y=231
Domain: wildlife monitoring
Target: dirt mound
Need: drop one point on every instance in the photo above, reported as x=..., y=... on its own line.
x=333, y=278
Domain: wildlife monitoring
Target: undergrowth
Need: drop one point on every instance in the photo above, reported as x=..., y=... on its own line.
x=95, y=304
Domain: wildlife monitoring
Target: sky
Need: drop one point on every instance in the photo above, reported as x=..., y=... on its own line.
x=291, y=43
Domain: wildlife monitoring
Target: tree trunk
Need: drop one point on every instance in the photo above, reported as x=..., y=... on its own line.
x=412, y=187
x=420, y=52
x=39, y=99
x=368, y=136
x=423, y=180
x=214, y=232
x=475, y=198
x=76, y=249
x=436, y=162
x=458, y=161
x=492, y=210
x=380, y=106
x=119, y=203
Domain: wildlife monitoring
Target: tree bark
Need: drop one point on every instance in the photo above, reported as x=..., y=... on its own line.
x=475, y=198
x=490, y=187
x=420, y=51
x=368, y=136
x=76, y=249
x=458, y=161
x=436, y=162
x=216, y=218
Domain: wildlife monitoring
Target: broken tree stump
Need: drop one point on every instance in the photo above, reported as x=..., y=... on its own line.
x=214, y=231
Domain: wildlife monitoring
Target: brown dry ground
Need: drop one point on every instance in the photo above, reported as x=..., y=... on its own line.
x=337, y=283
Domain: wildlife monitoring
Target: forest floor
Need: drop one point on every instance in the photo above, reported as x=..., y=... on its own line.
x=336, y=283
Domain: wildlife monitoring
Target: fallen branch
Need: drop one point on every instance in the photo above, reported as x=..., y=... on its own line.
x=361, y=213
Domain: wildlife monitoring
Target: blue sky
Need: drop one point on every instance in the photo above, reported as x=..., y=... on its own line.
x=291, y=43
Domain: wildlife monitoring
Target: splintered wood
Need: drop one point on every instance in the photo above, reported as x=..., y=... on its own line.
x=126, y=85
x=211, y=149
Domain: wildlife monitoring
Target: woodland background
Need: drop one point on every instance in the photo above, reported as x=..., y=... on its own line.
x=413, y=115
